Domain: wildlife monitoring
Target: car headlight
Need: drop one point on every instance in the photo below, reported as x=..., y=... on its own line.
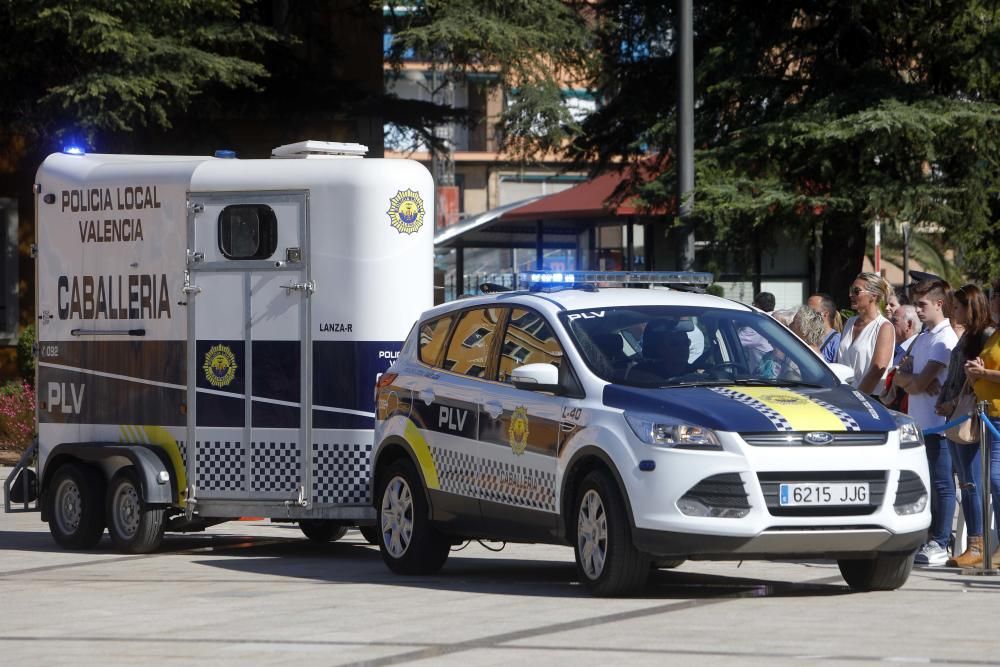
x=910, y=434
x=665, y=433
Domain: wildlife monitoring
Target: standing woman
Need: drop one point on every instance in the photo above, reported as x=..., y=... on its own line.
x=868, y=339
x=970, y=309
x=984, y=374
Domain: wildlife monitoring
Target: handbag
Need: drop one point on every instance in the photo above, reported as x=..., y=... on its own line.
x=966, y=433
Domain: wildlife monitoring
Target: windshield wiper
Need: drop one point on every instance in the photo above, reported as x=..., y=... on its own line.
x=775, y=382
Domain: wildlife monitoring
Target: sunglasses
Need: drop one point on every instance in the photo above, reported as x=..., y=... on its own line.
x=854, y=291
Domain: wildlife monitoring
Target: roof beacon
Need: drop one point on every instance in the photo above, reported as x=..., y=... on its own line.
x=319, y=150
x=547, y=279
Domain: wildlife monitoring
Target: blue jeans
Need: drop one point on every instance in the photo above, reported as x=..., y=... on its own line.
x=966, y=459
x=942, y=488
x=995, y=469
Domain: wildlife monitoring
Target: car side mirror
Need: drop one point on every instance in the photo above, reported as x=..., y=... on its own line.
x=536, y=377
x=844, y=372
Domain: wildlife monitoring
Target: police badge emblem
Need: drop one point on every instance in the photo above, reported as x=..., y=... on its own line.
x=406, y=212
x=219, y=366
x=517, y=432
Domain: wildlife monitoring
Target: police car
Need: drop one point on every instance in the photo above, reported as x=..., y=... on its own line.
x=643, y=427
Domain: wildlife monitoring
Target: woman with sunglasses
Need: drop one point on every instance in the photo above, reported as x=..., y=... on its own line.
x=984, y=375
x=868, y=339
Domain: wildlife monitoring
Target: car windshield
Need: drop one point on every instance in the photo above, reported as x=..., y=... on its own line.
x=675, y=346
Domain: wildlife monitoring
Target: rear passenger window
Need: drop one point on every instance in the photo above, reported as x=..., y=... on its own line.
x=470, y=344
x=432, y=338
x=529, y=340
x=248, y=231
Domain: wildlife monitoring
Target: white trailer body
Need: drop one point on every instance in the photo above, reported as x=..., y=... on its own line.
x=222, y=322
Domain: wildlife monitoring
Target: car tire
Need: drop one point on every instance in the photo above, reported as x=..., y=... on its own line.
x=370, y=533
x=884, y=572
x=606, y=558
x=322, y=531
x=408, y=542
x=76, y=506
x=134, y=527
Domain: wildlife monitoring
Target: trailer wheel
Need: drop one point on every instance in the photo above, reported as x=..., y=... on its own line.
x=408, y=542
x=77, y=509
x=322, y=531
x=135, y=528
x=370, y=533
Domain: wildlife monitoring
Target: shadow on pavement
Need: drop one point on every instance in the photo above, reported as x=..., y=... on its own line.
x=347, y=563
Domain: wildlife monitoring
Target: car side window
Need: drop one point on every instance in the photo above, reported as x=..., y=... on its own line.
x=469, y=349
x=528, y=340
x=432, y=338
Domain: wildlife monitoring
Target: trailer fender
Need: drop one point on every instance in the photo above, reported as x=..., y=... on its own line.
x=156, y=473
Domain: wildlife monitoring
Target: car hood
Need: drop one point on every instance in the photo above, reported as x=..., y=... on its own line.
x=757, y=409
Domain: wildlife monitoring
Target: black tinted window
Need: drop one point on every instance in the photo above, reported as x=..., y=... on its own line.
x=248, y=231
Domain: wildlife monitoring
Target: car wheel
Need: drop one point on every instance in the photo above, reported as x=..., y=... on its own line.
x=408, y=542
x=370, y=533
x=606, y=559
x=322, y=531
x=884, y=572
x=134, y=527
x=76, y=506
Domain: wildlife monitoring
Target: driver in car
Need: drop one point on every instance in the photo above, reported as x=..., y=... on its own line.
x=665, y=351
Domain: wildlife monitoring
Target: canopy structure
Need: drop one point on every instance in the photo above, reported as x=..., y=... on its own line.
x=552, y=221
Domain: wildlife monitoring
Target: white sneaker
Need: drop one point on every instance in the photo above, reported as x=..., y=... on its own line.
x=931, y=554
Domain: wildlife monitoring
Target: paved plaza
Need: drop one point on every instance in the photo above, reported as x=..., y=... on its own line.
x=259, y=593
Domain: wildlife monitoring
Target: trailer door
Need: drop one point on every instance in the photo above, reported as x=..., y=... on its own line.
x=248, y=341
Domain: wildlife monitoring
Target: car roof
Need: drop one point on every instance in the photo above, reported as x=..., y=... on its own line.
x=581, y=299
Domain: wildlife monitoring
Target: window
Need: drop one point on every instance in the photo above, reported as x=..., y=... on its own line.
x=470, y=344
x=248, y=231
x=529, y=340
x=432, y=337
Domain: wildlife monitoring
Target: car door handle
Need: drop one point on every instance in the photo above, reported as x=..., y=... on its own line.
x=427, y=396
x=493, y=409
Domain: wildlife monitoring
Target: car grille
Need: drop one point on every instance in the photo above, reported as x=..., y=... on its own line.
x=910, y=488
x=771, y=481
x=796, y=439
x=720, y=491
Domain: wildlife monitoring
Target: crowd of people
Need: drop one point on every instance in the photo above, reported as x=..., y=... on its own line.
x=927, y=353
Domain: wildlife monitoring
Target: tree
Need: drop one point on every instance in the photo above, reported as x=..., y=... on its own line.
x=827, y=114
x=530, y=49
x=76, y=69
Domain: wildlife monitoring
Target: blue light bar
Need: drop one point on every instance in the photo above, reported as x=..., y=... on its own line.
x=225, y=154
x=611, y=278
x=73, y=149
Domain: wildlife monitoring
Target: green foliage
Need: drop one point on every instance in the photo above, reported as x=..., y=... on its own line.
x=95, y=65
x=531, y=49
x=828, y=114
x=26, y=353
x=715, y=290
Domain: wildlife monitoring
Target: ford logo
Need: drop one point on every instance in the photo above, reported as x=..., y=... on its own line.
x=818, y=438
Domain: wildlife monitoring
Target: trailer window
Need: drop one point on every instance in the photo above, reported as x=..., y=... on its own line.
x=248, y=231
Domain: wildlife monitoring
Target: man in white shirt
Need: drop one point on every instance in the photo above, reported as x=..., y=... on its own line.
x=922, y=380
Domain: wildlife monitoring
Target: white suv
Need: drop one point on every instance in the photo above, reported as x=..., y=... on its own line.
x=643, y=427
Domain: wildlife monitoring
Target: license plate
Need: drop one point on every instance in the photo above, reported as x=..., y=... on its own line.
x=819, y=494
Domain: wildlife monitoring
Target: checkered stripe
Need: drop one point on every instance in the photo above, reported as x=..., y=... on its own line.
x=849, y=422
x=275, y=466
x=779, y=422
x=220, y=466
x=517, y=485
x=340, y=473
x=184, y=454
x=456, y=471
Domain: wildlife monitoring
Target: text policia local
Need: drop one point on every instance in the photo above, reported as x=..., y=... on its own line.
x=131, y=296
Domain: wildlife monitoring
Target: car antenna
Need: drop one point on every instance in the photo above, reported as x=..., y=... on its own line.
x=493, y=288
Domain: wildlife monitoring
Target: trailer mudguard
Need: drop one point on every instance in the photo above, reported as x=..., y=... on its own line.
x=154, y=468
